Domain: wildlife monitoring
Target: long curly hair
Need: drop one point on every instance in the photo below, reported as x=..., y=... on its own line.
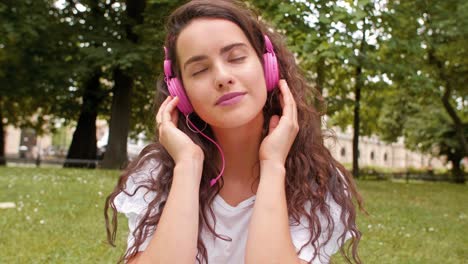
x=311, y=171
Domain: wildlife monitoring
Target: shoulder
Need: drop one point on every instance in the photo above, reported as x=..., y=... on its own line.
x=333, y=230
x=144, y=171
x=137, y=198
x=333, y=234
x=137, y=192
x=332, y=207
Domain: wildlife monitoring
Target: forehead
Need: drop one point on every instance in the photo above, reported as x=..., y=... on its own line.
x=206, y=35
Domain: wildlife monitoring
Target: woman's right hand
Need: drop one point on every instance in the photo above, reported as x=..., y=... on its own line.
x=176, y=142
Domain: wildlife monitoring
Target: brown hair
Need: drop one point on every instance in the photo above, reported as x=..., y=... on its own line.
x=311, y=171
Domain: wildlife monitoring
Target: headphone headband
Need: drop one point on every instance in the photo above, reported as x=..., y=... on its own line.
x=268, y=45
x=175, y=87
x=167, y=65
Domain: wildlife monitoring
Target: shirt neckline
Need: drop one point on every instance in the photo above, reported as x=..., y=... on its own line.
x=219, y=200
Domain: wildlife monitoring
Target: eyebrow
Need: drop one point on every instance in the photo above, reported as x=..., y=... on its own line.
x=223, y=50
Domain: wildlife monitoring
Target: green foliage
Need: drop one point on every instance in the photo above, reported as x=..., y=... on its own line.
x=425, y=58
x=411, y=52
x=106, y=41
x=325, y=37
x=49, y=51
x=29, y=66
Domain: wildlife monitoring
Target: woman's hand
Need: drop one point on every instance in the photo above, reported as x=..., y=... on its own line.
x=281, y=131
x=176, y=142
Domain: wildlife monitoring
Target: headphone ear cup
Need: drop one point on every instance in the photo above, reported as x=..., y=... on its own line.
x=271, y=71
x=176, y=89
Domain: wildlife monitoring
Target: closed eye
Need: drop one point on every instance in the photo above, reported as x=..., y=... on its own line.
x=200, y=71
x=238, y=59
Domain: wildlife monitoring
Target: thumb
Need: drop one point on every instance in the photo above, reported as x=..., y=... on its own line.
x=175, y=113
x=274, y=121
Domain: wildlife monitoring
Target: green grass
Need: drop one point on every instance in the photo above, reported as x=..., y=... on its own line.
x=58, y=216
x=59, y=219
x=419, y=222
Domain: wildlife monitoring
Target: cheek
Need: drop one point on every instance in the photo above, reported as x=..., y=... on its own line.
x=253, y=72
x=193, y=89
x=199, y=95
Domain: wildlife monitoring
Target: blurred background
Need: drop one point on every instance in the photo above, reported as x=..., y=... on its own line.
x=78, y=79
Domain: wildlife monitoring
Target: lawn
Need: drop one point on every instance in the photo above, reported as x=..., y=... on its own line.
x=58, y=218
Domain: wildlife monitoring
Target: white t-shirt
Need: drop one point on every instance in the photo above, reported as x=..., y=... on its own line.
x=232, y=222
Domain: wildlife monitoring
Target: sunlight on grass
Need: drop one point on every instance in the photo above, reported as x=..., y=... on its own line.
x=58, y=216
x=54, y=215
x=419, y=222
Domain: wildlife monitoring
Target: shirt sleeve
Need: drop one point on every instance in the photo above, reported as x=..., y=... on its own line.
x=300, y=235
x=135, y=206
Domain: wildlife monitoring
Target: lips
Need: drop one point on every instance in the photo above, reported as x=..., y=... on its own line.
x=228, y=96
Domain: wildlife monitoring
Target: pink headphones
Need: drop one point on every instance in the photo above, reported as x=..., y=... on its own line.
x=270, y=68
x=174, y=85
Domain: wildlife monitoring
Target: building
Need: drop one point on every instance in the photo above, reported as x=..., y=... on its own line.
x=372, y=151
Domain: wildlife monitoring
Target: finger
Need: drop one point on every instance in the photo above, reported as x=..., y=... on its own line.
x=288, y=101
x=166, y=115
x=289, y=108
x=281, y=100
x=175, y=117
x=161, y=109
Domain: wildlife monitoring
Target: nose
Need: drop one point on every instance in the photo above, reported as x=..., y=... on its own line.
x=223, y=78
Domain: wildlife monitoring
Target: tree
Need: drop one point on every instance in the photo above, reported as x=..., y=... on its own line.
x=332, y=45
x=139, y=61
x=92, y=25
x=83, y=145
x=116, y=151
x=115, y=69
x=429, y=40
x=29, y=72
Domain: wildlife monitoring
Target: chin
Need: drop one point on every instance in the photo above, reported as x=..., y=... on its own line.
x=238, y=120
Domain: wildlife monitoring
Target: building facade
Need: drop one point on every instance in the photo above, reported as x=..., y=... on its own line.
x=372, y=151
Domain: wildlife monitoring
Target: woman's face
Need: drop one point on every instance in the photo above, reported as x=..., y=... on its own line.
x=216, y=59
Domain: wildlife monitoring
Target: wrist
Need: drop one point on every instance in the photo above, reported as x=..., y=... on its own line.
x=272, y=163
x=272, y=167
x=196, y=156
x=272, y=175
x=189, y=169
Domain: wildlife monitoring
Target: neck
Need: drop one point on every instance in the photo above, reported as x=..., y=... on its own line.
x=240, y=147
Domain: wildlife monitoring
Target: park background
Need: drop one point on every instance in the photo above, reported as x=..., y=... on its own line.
x=393, y=73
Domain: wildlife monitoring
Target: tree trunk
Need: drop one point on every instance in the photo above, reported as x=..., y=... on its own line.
x=356, y=122
x=459, y=128
x=457, y=173
x=115, y=156
x=321, y=74
x=83, y=145
x=357, y=102
x=2, y=137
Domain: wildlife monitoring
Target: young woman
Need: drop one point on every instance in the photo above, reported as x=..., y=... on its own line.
x=239, y=172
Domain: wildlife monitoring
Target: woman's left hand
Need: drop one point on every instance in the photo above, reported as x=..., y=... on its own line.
x=281, y=131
